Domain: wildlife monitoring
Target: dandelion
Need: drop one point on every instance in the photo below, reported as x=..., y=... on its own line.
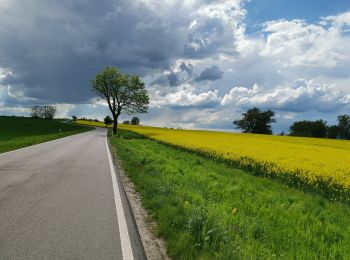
x=234, y=211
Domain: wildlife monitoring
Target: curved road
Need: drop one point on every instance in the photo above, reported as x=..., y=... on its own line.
x=62, y=200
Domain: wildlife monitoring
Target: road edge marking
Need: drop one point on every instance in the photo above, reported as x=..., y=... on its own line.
x=123, y=228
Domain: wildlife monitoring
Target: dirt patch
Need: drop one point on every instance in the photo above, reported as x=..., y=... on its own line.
x=154, y=246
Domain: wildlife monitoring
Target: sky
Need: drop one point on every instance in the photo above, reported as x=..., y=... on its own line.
x=204, y=62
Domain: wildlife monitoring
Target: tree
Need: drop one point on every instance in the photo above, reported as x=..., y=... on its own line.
x=35, y=111
x=135, y=121
x=333, y=132
x=122, y=92
x=47, y=112
x=344, y=126
x=126, y=122
x=317, y=128
x=74, y=118
x=256, y=122
x=108, y=121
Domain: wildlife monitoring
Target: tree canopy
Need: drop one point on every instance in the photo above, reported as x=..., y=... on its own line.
x=47, y=112
x=108, y=121
x=122, y=92
x=256, y=121
x=317, y=128
x=135, y=121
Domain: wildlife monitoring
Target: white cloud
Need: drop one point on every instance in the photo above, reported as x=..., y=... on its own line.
x=301, y=96
x=340, y=20
x=296, y=43
x=185, y=96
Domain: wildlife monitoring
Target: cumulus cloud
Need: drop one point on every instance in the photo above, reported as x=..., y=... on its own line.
x=301, y=96
x=297, y=43
x=213, y=28
x=185, y=96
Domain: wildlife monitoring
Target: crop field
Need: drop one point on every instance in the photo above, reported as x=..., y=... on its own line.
x=18, y=132
x=321, y=164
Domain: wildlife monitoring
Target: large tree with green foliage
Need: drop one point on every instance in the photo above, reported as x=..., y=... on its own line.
x=256, y=121
x=135, y=121
x=317, y=128
x=122, y=92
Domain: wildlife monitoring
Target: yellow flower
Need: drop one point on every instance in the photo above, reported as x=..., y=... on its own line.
x=234, y=211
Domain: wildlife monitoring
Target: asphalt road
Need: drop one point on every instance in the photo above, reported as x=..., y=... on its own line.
x=60, y=200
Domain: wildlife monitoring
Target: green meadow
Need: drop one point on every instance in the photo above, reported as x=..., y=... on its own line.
x=18, y=132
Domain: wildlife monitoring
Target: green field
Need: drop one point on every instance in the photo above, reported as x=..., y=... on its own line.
x=18, y=132
x=205, y=209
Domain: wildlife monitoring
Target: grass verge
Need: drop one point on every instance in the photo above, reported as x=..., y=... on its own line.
x=205, y=209
x=18, y=132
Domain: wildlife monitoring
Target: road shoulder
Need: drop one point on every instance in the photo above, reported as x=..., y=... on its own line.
x=154, y=246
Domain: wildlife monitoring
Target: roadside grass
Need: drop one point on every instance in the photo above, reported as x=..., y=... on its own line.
x=205, y=209
x=18, y=132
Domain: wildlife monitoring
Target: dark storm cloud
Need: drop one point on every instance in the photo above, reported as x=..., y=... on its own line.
x=176, y=76
x=211, y=73
x=55, y=47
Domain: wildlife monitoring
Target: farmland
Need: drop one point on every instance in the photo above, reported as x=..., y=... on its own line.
x=308, y=163
x=207, y=209
x=18, y=132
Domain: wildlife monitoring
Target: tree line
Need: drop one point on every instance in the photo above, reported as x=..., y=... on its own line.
x=256, y=121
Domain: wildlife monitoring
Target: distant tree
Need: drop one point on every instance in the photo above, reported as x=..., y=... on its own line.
x=47, y=112
x=36, y=111
x=344, y=126
x=256, y=122
x=74, y=118
x=282, y=133
x=121, y=92
x=126, y=122
x=317, y=128
x=108, y=121
x=135, y=121
x=333, y=132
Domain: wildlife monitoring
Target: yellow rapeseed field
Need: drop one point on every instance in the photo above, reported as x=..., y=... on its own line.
x=314, y=161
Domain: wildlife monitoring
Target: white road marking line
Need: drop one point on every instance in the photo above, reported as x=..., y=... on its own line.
x=123, y=229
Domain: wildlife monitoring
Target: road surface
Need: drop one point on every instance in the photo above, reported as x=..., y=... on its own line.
x=61, y=200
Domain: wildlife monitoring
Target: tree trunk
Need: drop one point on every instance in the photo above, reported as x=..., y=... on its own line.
x=115, y=125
